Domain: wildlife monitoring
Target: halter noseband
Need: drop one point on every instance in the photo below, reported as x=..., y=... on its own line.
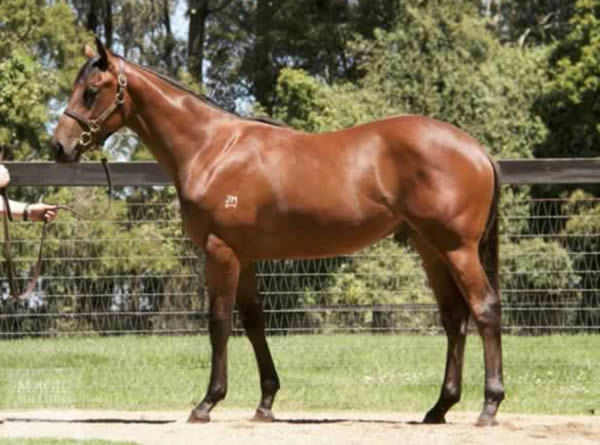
x=87, y=139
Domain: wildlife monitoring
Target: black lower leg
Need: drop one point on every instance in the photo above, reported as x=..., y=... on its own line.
x=489, y=326
x=254, y=324
x=220, y=330
x=451, y=387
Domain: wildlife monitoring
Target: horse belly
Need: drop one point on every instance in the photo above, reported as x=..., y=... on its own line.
x=303, y=236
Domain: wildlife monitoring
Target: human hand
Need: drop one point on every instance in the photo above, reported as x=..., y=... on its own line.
x=4, y=176
x=42, y=212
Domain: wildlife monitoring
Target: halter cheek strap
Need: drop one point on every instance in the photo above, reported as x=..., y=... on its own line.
x=92, y=127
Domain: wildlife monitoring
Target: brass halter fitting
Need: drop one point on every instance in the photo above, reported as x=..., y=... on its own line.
x=89, y=138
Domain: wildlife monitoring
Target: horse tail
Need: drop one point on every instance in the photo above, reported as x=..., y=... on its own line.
x=488, y=246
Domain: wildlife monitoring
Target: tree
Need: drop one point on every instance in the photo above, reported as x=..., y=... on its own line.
x=437, y=61
x=569, y=107
x=531, y=23
x=250, y=42
x=40, y=51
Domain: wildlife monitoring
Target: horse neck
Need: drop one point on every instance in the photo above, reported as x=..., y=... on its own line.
x=172, y=123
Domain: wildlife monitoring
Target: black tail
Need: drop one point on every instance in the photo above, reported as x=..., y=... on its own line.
x=488, y=246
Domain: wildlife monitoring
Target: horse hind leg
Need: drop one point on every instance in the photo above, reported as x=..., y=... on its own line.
x=484, y=304
x=454, y=314
x=251, y=311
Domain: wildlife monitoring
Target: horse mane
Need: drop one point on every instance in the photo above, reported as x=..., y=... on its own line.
x=204, y=98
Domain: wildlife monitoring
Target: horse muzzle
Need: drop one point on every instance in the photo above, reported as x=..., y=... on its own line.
x=61, y=155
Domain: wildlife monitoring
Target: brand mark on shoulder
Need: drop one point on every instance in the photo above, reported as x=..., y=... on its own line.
x=231, y=202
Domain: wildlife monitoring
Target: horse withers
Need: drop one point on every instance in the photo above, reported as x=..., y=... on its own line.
x=252, y=190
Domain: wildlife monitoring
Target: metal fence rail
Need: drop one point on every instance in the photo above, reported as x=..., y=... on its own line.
x=134, y=272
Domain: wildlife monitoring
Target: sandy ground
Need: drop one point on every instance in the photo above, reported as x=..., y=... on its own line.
x=230, y=427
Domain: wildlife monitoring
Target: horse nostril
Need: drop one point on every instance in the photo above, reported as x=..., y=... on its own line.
x=59, y=150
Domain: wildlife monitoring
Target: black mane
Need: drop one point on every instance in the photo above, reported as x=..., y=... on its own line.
x=87, y=68
x=202, y=97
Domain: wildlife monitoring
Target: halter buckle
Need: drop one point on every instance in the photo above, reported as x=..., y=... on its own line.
x=94, y=126
x=85, y=139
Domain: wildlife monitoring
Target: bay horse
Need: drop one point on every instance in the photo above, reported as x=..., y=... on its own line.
x=252, y=190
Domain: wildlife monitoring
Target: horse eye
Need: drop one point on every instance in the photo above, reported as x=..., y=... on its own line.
x=89, y=95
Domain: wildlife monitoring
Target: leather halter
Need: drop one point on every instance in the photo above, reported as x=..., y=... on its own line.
x=92, y=127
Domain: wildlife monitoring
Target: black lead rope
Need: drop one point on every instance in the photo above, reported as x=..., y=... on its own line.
x=108, y=206
x=37, y=269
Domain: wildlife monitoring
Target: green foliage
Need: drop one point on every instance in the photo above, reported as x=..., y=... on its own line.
x=537, y=264
x=383, y=274
x=529, y=23
x=250, y=42
x=439, y=62
x=585, y=217
x=583, y=235
x=542, y=283
x=514, y=211
x=569, y=106
x=40, y=51
x=101, y=251
x=302, y=98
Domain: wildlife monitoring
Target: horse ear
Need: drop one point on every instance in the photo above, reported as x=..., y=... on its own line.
x=89, y=52
x=103, y=62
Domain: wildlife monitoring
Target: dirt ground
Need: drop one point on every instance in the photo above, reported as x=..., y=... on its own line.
x=229, y=427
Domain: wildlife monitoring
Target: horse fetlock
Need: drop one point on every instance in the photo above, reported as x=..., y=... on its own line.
x=216, y=393
x=270, y=386
x=451, y=394
x=494, y=392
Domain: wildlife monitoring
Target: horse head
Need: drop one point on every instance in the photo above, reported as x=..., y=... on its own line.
x=96, y=108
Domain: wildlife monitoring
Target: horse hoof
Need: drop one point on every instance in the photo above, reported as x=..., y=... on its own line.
x=263, y=415
x=486, y=421
x=198, y=417
x=434, y=418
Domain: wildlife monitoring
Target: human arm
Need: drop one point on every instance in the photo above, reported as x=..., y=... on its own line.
x=31, y=212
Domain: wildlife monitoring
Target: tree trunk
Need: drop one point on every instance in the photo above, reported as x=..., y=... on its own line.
x=108, y=24
x=199, y=12
x=265, y=76
x=92, y=17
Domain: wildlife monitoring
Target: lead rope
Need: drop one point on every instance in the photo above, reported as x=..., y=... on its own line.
x=37, y=269
x=109, y=192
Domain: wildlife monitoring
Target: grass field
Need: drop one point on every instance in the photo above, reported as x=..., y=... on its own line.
x=553, y=374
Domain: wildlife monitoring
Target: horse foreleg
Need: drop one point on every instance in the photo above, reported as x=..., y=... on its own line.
x=251, y=312
x=222, y=275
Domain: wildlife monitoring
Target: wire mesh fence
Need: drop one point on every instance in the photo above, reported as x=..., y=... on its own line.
x=133, y=271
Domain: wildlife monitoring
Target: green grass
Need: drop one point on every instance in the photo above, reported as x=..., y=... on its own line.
x=554, y=374
x=43, y=441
